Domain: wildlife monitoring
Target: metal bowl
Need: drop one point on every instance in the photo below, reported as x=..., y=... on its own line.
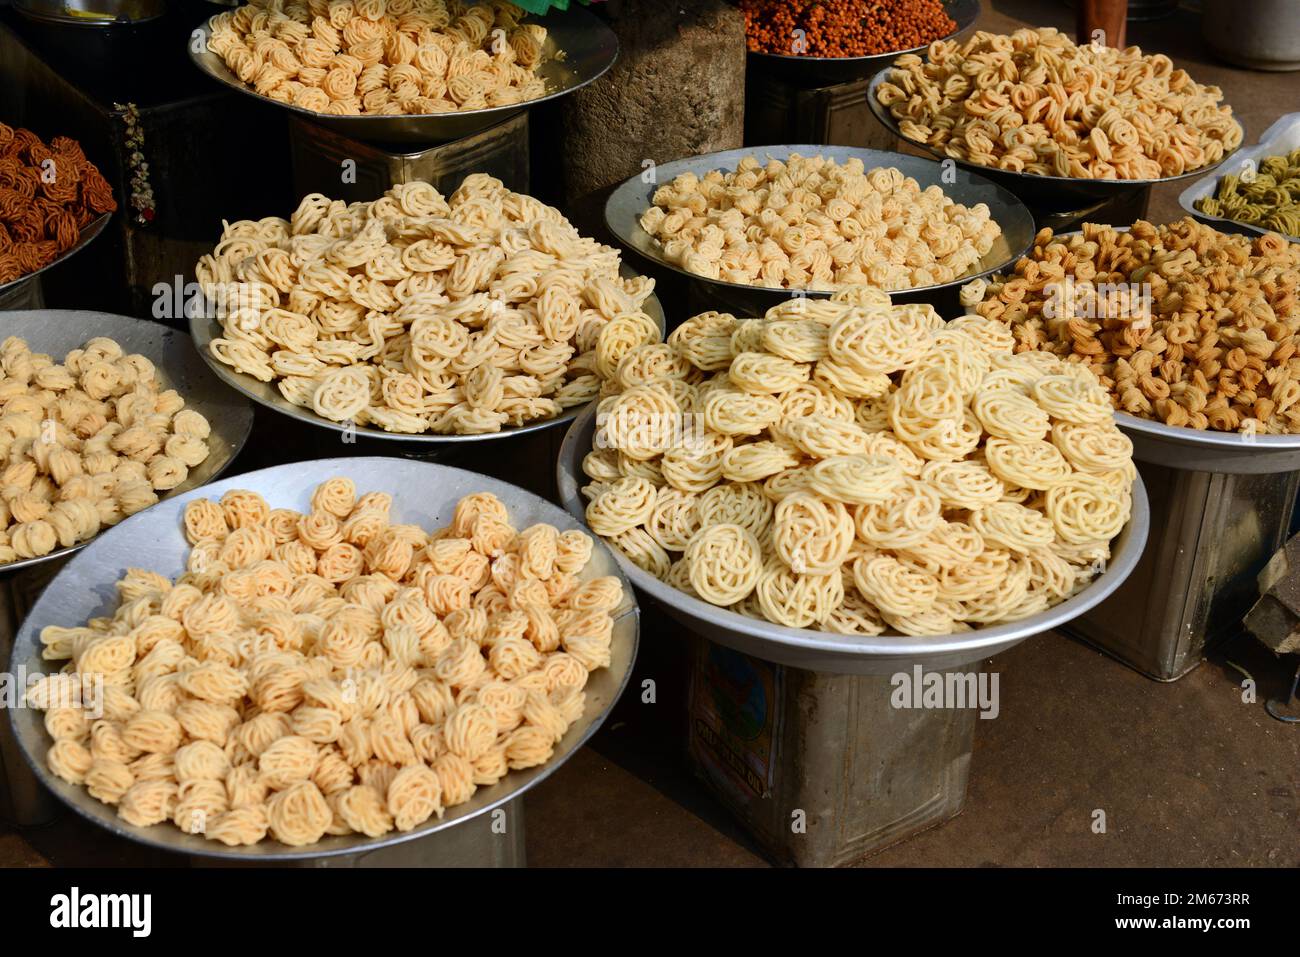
x=831, y=70
x=853, y=654
x=92, y=13
x=625, y=205
x=204, y=329
x=59, y=331
x=1052, y=192
x=90, y=232
x=1282, y=137
x=423, y=493
x=588, y=48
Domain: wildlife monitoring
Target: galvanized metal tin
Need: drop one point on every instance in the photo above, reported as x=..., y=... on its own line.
x=1053, y=192
x=850, y=654
x=204, y=329
x=625, y=205
x=1212, y=534
x=423, y=494
x=1282, y=137
x=586, y=48
x=321, y=157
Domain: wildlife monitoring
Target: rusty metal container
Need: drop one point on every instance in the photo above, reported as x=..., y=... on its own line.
x=321, y=157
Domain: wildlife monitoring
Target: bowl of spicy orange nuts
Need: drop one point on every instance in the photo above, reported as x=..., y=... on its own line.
x=824, y=42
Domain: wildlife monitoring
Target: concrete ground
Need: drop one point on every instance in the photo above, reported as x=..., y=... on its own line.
x=1187, y=773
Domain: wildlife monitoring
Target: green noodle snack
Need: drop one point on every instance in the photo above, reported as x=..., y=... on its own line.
x=1270, y=199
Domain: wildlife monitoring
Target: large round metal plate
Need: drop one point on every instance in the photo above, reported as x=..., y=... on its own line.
x=90, y=232
x=204, y=329
x=830, y=70
x=423, y=494
x=59, y=331
x=1282, y=137
x=625, y=205
x=853, y=654
x=1054, y=192
x=587, y=47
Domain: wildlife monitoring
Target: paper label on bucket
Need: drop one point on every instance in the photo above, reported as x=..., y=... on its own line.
x=734, y=713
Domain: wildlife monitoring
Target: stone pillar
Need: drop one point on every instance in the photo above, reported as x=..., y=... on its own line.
x=677, y=90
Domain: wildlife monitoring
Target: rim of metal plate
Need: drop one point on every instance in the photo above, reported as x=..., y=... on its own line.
x=587, y=48
x=58, y=331
x=204, y=329
x=625, y=205
x=854, y=654
x=1205, y=450
x=423, y=492
x=1284, y=128
x=846, y=69
x=83, y=240
x=1076, y=184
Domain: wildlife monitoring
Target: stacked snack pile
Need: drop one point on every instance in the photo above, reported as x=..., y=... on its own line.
x=1181, y=323
x=812, y=223
x=843, y=28
x=856, y=466
x=86, y=442
x=48, y=195
x=1036, y=102
x=414, y=313
x=383, y=56
x=328, y=673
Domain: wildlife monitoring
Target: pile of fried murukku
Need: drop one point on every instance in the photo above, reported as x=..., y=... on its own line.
x=856, y=467
x=48, y=195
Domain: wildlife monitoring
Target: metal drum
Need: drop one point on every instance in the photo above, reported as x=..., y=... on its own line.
x=796, y=731
x=20, y=291
x=628, y=201
x=423, y=494
x=57, y=332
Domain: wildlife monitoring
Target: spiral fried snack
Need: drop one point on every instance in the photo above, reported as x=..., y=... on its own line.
x=930, y=481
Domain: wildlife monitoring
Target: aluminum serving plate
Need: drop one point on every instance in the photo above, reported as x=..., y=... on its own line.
x=1282, y=137
x=831, y=70
x=204, y=329
x=1055, y=192
x=579, y=48
x=83, y=240
x=852, y=654
x=626, y=204
x=424, y=494
x=59, y=331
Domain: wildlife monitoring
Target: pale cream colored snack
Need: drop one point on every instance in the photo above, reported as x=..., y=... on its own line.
x=813, y=223
x=85, y=442
x=416, y=313
x=1036, y=102
x=332, y=672
x=383, y=57
x=967, y=486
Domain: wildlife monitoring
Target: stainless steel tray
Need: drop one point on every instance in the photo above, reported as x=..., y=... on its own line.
x=424, y=494
x=1282, y=137
x=625, y=205
x=1050, y=191
x=204, y=329
x=58, y=331
x=90, y=232
x=587, y=48
x=831, y=70
x=853, y=654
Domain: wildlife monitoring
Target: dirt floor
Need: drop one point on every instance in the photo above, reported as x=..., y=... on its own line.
x=1187, y=773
